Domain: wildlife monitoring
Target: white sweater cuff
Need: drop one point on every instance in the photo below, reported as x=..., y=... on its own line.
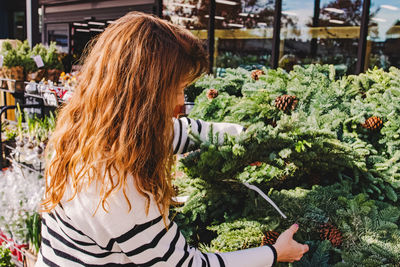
x=254, y=257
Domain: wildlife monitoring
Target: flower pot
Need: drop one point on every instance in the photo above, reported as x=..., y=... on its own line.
x=17, y=74
x=3, y=84
x=53, y=75
x=35, y=76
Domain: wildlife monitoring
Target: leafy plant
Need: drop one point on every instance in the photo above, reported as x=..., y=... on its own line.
x=12, y=57
x=318, y=163
x=33, y=224
x=52, y=59
x=318, y=256
x=26, y=54
x=5, y=256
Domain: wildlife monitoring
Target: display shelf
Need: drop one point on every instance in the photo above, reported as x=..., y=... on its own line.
x=7, y=91
x=3, y=110
x=42, y=94
x=33, y=95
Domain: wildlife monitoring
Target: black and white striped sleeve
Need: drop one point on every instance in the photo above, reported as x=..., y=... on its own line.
x=182, y=141
x=152, y=245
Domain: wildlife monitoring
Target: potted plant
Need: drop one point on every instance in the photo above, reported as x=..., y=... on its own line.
x=33, y=73
x=13, y=67
x=53, y=63
x=33, y=224
x=3, y=84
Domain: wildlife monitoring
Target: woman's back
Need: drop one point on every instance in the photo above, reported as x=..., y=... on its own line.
x=109, y=188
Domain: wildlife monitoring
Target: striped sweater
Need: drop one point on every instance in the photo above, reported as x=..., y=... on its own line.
x=73, y=235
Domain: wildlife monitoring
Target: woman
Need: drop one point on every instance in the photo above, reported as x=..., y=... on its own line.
x=108, y=187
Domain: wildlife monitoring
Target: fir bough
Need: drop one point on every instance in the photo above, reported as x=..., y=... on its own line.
x=322, y=142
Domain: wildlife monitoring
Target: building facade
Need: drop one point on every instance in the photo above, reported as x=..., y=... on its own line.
x=351, y=34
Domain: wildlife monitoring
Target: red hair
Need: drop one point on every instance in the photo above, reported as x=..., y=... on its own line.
x=121, y=111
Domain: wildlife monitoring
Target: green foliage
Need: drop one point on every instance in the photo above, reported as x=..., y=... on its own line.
x=22, y=55
x=9, y=130
x=371, y=231
x=361, y=220
x=215, y=109
x=52, y=59
x=231, y=83
x=358, y=170
x=278, y=150
x=240, y=234
x=318, y=255
x=40, y=50
x=33, y=224
x=26, y=54
x=5, y=256
x=34, y=128
x=12, y=57
x=6, y=46
x=336, y=107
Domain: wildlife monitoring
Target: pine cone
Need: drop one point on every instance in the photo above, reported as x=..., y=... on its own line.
x=255, y=74
x=373, y=123
x=286, y=103
x=212, y=93
x=332, y=233
x=269, y=238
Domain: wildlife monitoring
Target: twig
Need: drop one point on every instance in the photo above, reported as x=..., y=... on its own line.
x=255, y=188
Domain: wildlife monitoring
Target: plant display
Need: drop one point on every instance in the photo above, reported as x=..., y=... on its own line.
x=20, y=194
x=21, y=188
x=231, y=83
x=22, y=57
x=32, y=137
x=326, y=151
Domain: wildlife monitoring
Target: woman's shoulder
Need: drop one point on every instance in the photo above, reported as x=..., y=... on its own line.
x=127, y=203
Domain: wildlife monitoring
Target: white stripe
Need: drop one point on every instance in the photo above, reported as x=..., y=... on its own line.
x=70, y=232
x=176, y=134
x=185, y=129
x=158, y=251
x=112, y=258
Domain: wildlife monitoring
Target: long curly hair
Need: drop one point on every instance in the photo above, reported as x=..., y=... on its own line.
x=118, y=124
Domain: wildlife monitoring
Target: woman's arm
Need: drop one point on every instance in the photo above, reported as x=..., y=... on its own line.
x=155, y=245
x=142, y=236
x=182, y=142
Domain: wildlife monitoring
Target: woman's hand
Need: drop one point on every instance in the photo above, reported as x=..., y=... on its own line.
x=287, y=249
